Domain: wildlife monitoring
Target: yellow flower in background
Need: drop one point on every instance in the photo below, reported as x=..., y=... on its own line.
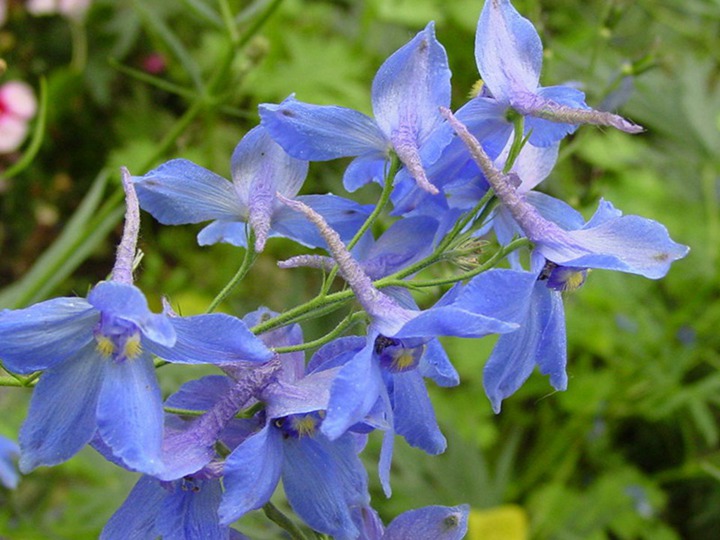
x=506, y=522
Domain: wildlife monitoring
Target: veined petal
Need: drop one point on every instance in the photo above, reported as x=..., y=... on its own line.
x=508, y=50
x=414, y=414
x=191, y=511
x=180, y=192
x=43, y=335
x=410, y=86
x=555, y=210
x=533, y=164
x=229, y=232
x=252, y=472
x=315, y=478
x=310, y=393
x=130, y=414
x=260, y=169
x=321, y=132
x=215, y=338
x=135, y=519
x=430, y=523
x=368, y=167
x=200, y=394
x=61, y=419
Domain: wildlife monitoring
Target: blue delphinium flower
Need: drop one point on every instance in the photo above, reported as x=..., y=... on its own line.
x=427, y=523
x=406, y=93
x=180, y=192
x=509, y=55
x=9, y=451
x=96, y=358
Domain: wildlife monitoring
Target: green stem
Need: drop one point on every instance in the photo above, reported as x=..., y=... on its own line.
x=248, y=260
x=275, y=515
x=346, y=323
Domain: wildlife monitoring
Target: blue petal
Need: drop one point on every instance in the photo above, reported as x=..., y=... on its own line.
x=546, y=132
x=61, y=419
x=540, y=339
x=508, y=50
x=260, y=169
x=410, y=86
x=9, y=450
x=336, y=353
x=252, y=472
x=368, y=167
x=435, y=364
x=311, y=393
x=354, y=392
x=555, y=210
x=128, y=303
x=43, y=335
x=200, y=394
x=180, y=192
x=414, y=414
x=430, y=523
x=130, y=414
x=229, y=232
x=321, y=479
x=212, y=339
x=191, y=512
x=534, y=164
x=343, y=215
x=135, y=519
x=320, y=132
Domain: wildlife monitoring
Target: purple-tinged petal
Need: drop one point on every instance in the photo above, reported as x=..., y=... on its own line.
x=228, y=232
x=9, y=451
x=321, y=132
x=180, y=192
x=369, y=167
x=508, y=50
x=191, y=511
x=414, y=414
x=368, y=522
x=310, y=393
x=260, y=169
x=61, y=419
x=435, y=364
x=540, y=340
x=43, y=335
x=321, y=480
x=355, y=390
x=215, y=338
x=292, y=365
x=135, y=519
x=430, y=523
x=252, y=472
x=200, y=394
x=127, y=303
x=410, y=86
x=130, y=414
x=336, y=353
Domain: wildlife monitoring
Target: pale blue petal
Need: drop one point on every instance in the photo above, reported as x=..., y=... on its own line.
x=321, y=479
x=435, y=364
x=508, y=50
x=252, y=472
x=321, y=132
x=200, y=394
x=62, y=415
x=430, y=523
x=228, y=232
x=366, y=168
x=215, y=338
x=534, y=164
x=180, y=192
x=414, y=414
x=546, y=132
x=135, y=519
x=555, y=210
x=409, y=88
x=45, y=334
x=310, y=393
x=130, y=414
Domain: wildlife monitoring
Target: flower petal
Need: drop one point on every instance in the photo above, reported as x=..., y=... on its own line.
x=61, y=419
x=43, y=335
x=414, y=414
x=435, y=364
x=180, y=192
x=229, y=232
x=320, y=132
x=130, y=414
x=191, y=511
x=135, y=519
x=430, y=523
x=546, y=132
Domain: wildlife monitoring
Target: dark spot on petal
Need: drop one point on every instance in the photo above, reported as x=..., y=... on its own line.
x=287, y=112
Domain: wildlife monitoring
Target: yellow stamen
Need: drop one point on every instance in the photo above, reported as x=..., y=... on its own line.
x=305, y=426
x=105, y=346
x=476, y=89
x=133, y=347
x=404, y=360
x=573, y=281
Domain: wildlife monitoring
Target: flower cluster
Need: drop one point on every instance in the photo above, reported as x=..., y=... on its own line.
x=457, y=182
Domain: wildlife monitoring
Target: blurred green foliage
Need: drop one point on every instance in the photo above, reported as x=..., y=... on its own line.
x=629, y=451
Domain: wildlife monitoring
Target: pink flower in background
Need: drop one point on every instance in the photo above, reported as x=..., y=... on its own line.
x=17, y=107
x=73, y=9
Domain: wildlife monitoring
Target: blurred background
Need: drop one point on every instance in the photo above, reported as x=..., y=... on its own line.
x=629, y=451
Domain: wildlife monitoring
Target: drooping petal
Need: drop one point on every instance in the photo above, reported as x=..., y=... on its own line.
x=508, y=50
x=229, y=232
x=127, y=302
x=435, y=364
x=368, y=167
x=215, y=338
x=414, y=414
x=135, y=519
x=45, y=334
x=540, y=340
x=321, y=479
x=130, y=414
x=320, y=132
x=260, y=169
x=180, y=192
x=430, y=523
x=9, y=451
x=62, y=415
x=252, y=472
x=191, y=511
